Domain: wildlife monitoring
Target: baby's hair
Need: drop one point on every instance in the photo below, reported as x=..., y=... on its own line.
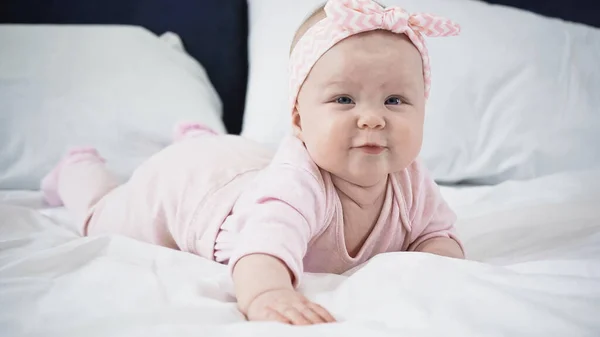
x=316, y=16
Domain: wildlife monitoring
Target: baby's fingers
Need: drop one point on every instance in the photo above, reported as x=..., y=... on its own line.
x=322, y=312
x=311, y=315
x=295, y=316
x=274, y=315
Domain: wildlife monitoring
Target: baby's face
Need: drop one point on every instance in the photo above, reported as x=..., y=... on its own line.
x=360, y=111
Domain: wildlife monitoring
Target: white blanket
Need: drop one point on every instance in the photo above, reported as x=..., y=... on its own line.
x=533, y=270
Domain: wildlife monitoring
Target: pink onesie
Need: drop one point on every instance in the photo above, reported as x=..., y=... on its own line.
x=223, y=197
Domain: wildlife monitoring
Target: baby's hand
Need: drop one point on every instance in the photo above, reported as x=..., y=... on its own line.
x=287, y=306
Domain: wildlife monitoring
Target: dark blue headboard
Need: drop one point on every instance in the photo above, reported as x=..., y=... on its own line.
x=582, y=11
x=215, y=31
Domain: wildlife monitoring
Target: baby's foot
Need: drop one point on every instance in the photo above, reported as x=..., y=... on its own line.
x=191, y=129
x=49, y=184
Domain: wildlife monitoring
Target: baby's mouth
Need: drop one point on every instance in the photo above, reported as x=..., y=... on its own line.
x=372, y=148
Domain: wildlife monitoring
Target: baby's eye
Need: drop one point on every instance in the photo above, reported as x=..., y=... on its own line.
x=344, y=100
x=393, y=101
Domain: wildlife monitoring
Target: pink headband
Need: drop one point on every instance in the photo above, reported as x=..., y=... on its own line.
x=349, y=17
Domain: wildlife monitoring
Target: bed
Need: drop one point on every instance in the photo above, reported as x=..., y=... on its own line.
x=527, y=211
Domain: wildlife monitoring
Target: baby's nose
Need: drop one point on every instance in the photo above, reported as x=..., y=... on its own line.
x=371, y=121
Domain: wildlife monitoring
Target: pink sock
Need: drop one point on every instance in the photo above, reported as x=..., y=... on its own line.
x=190, y=129
x=49, y=184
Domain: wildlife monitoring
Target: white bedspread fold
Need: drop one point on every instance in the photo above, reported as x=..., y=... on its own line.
x=533, y=270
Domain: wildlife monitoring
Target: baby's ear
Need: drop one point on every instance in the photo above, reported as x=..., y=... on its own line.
x=297, y=123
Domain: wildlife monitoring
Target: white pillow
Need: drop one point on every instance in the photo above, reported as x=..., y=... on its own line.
x=118, y=88
x=516, y=96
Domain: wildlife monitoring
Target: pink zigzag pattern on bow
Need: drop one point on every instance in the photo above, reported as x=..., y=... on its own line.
x=367, y=5
x=434, y=26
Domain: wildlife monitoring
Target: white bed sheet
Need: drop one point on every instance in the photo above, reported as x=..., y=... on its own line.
x=534, y=270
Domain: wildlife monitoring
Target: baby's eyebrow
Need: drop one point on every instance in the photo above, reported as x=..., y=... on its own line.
x=341, y=83
x=337, y=82
x=400, y=83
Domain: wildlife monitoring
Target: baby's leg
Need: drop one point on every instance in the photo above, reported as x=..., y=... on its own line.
x=82, y=183
x=140, y=208
x=78, y=182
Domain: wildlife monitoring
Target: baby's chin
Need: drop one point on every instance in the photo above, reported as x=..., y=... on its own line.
x=368, y=174
x=364, y=177
x=368, y=181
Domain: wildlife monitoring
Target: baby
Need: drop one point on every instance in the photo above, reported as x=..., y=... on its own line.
x=344, y=186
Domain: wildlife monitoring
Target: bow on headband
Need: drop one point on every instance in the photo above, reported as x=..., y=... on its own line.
x=364, y=15
x=349, y=17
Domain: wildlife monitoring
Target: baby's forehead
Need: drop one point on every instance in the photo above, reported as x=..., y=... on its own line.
x=370, y=49
x=369, y=58
x=381, y=39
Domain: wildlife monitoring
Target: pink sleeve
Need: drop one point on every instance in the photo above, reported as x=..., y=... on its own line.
x=429, y=214
x=278, y=215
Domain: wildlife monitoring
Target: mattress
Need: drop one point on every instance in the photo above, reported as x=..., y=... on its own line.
x=533, y=269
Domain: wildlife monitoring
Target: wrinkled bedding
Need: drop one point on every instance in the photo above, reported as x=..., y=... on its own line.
x=533, y=270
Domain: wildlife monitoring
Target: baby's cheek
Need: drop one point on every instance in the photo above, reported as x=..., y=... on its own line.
x=319, y=146
x=408, y=143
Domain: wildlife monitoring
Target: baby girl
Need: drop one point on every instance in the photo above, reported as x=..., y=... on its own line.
x=344, y=186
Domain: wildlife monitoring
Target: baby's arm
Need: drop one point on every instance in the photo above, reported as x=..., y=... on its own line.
x=265, y=292
x=272, y=274
x=276, y=218
x=431, y=218
x=441, y=246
